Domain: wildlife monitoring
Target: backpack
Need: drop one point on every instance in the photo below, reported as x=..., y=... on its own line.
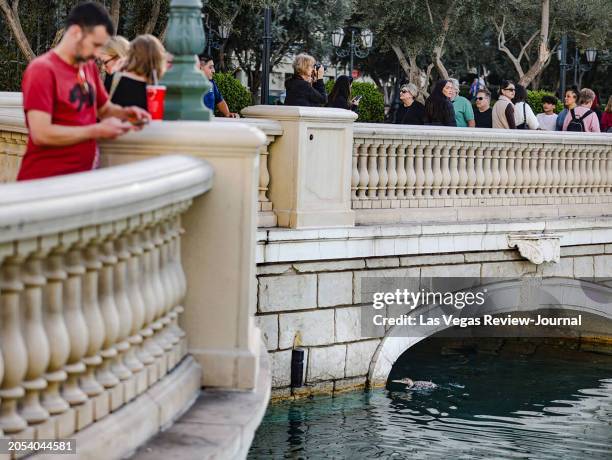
x=577, y=124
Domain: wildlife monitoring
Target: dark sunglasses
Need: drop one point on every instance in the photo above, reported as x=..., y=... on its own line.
x=480, y=98
x=509, y=89
x=403, y=91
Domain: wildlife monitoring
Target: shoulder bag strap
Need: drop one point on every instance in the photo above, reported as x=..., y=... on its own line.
x=116, y=78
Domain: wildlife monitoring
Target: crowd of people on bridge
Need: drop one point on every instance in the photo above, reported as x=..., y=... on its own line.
x=446, y=107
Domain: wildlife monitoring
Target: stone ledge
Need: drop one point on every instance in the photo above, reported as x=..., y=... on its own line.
x=119, y=434
x=221, y=424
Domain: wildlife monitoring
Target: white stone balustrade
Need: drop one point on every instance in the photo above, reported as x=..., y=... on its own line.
x=419, y=173
x=90, y=271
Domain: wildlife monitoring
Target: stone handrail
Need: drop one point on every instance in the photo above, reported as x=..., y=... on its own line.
x=91, y=286
x=396, y=167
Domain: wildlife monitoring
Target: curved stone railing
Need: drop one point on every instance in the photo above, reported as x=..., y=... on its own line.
x=91, y=286
x=396, y=167
x=13, y=135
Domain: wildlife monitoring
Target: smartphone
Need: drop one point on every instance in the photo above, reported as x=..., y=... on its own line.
x=357, y=98
x=141, y=122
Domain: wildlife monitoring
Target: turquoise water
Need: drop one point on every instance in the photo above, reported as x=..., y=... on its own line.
x=552, y=404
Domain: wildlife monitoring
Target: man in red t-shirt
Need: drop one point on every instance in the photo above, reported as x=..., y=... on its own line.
x=63, y=98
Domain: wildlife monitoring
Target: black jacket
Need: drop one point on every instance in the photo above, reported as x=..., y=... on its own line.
x=300, y=92
x=413, y=115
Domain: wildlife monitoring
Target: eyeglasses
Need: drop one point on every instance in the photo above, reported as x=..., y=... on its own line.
x=509, y=89
x=480, y=98
x=403, y=91
x=108, y=61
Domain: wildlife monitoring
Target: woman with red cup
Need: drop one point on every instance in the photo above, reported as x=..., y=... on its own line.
x=137, y=81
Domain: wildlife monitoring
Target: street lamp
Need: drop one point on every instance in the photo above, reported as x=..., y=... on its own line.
x=575, y=65
x=211, y=34
x=361, y=50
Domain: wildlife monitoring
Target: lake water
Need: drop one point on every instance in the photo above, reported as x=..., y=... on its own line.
x=553, y=404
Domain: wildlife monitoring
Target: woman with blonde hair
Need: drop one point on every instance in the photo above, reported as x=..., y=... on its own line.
x=112, y=57
x=305, y=87
x=145, y=64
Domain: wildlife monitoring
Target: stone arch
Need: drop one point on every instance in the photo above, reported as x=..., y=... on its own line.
x=553, y=293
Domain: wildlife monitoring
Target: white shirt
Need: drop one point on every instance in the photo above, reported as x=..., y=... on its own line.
x=532, y=121
x=547, y=122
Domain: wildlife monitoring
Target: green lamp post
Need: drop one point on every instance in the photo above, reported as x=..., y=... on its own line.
x=185, y=84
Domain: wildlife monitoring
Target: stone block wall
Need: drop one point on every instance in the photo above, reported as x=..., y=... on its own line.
x=315, y=305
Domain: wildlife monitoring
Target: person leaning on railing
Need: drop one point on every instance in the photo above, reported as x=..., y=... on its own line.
x=503, y=110
x=305, y=87
x=439, y=110
x=63, y=97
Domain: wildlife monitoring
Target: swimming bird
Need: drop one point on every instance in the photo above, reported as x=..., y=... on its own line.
x=416, y=385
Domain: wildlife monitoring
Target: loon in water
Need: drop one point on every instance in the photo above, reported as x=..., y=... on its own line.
x=418, y=385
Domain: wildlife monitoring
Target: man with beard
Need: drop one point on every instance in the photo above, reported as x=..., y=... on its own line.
x=63, y=97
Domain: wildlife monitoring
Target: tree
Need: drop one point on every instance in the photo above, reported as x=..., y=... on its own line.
x=11, y=15
x=417, y=32
x=527, y=31
x=297, y=25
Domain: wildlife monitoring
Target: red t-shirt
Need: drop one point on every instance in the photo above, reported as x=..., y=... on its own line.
x=51, y=85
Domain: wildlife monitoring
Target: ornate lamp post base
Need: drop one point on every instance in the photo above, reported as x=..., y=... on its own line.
x=185, y=84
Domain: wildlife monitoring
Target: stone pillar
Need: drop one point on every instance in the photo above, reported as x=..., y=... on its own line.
x=218, y=248
x=310, y=165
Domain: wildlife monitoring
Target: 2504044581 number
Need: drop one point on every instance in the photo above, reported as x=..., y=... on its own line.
x=66, y=446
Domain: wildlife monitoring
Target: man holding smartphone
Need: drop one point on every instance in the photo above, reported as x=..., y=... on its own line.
x=63, y=97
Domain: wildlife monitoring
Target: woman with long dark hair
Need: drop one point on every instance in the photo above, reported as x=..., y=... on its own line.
x=341, y=94
x=438, y=107
x=524, y=118
x=503, y=110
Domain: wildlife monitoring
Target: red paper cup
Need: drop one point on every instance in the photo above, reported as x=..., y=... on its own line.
x=156, y=94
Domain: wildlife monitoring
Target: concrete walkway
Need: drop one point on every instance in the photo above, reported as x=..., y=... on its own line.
x=220, y=424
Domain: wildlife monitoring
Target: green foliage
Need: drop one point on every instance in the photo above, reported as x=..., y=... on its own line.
x=236, y=95
x=372, y=105
x=534, y=99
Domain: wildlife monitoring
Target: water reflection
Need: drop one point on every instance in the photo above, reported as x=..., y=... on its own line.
x=543, y=406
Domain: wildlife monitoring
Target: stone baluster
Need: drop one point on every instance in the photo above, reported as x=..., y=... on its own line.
x=74, y=319
x=364, y=177
x=590, y=171
x=480, y=172
x=428, y=169
x=355, y=171
x=402, y=174
x=138, y=333
x=454, y=167
x=173, y=283
x=57, y=333
x=510, y=154
x=264, y=175
x=169, y=288
x=470, y=158
x=555, y=167
x=563, y=178
x=526, y=155
x=383, y=177
x=179, y=272
x=373, y=169
x=597, y=181
x=150, y=298
x=108, y=308
x=542, y=174
x=487, y=153
x=445, y=167
x=519, y=168
x=118, y=246
x=584, y=178
x=603, y=170
x=162, y=294
x=411, y=175
x=608, y=169
x=13, y=346
x=36, y=341
x=436, y=157
x=576, y=170
x=550, y=177
x=92, y=314
x=420, y=171
x=392, y=171
x=495, y=165
x=569, y=170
